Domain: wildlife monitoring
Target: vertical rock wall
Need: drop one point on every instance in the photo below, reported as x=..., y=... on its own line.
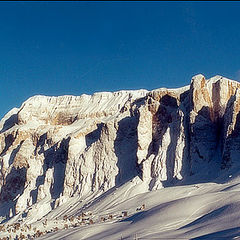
x=53, y=148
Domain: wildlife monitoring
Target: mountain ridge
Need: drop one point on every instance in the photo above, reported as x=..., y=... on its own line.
x=56, y=148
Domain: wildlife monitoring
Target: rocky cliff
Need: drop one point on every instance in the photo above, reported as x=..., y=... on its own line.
x=53, y=148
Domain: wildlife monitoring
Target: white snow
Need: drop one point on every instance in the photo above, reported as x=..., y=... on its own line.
x=204, y=210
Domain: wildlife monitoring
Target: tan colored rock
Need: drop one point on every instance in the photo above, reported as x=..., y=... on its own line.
x=53, y=148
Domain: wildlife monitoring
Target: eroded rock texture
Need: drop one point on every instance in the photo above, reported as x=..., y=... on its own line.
x=53, y=148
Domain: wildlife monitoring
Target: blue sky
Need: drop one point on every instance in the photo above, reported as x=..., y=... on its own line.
x=58, y=48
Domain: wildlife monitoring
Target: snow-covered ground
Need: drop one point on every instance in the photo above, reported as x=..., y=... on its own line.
x=196, y=211
x=206, y=210
x=199, y=211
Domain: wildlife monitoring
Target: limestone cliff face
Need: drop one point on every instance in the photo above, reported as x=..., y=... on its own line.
x=53, y=148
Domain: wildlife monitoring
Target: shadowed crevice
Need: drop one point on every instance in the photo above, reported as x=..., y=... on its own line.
x=125, y=146
x=12, y=188
x=13, y=184
x=94, y=136
x=54, y=157
x=9, y=123
x=9, y=139
x=14, y=153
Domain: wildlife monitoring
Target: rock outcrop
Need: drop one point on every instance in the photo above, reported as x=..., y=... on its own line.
x=53, y=148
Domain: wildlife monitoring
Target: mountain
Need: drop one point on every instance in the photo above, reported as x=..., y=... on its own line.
x=105, y=153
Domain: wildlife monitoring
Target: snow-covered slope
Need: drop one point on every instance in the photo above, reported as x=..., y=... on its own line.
x=107, y=153
x=199, y=211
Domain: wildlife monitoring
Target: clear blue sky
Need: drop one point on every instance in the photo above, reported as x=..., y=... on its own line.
x=57, y=48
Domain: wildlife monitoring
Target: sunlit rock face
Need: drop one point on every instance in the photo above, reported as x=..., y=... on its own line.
x=53, y=148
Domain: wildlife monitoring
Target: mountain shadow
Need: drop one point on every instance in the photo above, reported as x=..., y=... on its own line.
x=13, y=187
x=54, y=157
x=10, y=122
x=125, y=146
